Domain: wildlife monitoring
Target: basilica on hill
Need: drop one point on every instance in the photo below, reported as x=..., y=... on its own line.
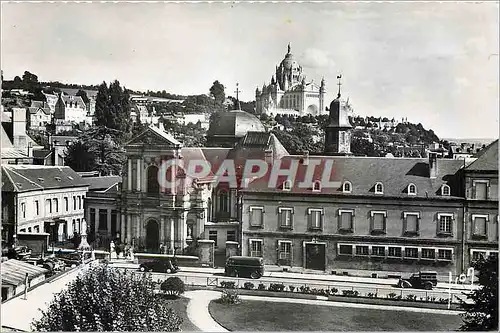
x=290, y=92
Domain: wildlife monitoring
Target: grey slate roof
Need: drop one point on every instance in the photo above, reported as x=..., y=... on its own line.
x=14, y=272
x=235, y=123
x=364, y=172
x=25, y=178
x=487, y=159
x=102, y=183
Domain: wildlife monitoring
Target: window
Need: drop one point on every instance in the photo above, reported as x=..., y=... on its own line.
x=36, y=229
x=255, y=248
x=394, y=252
x=494, y=254
x=476, y=255
x=315, y=218
x=285, y=217
x=347, y=188
x=285, y=250
x=231, y=236
x=74, y=203
x=345, y=249
x=379, y=188
x=256, y=216
x=23, y=210
x=412, y=189
x=444, y=224
x=212, y=235
x=22, y=230
x=479, y=225
x=48, y=206
x=362, y=250
x=79, y=202
x=66, y=204
x=223, y=202
x=411, y=223
x=37, y=208
x=56, y=205
x=29, y=230
x=445, y=254
x=346, y=220
x=428, y=253
x=317, y=186
x=445, y=190
x=378, y=251
x=411, y=252
x=287, y=185
x=480, y=188
x=378, y=221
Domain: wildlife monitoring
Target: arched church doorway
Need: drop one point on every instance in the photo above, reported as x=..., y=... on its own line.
x=312, y=109
x=152, y=236
x=153, y=185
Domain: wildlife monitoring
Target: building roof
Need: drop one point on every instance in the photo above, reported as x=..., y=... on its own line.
x=235, y=123
x=363, y=173
x=25, y=178
x=14, y=272
x=102, y=183
x=74, y=99
x=154, y=135
x=487, y=159
x=35, y=109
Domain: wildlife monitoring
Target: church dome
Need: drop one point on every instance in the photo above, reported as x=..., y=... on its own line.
x=235, y=123
x=289, y=61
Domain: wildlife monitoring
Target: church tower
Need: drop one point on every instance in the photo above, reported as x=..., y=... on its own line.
x=338, y=130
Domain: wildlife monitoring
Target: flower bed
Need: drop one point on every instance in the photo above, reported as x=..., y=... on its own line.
x=333, y=294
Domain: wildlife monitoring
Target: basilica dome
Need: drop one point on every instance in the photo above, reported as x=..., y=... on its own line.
x=232, y=125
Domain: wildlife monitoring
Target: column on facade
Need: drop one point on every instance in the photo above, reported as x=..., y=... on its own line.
x=162, y=229
x=172, y=234
x=97, y=218
x=182, y=230
x=108, y=220
x=129, y=175
x=138, y=185
x=138, y=225
x=129, y=228
x=122, y=227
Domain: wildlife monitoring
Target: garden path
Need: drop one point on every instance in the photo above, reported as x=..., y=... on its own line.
x=197, y=310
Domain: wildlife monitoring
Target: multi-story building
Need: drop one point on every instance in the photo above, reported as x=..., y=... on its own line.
x=70, y=108
x=481, y=205
x=42, y=199
x=40, y=116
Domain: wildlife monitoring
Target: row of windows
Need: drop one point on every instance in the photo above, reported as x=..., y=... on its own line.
x=230, y=236
x=363, y=250
x=52, y=205
x=411, y=189
x=378, y=220
x=478, y=254
x=36, y=229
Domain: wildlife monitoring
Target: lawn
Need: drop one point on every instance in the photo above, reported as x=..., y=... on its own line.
x=270, y=316
x=180, y=307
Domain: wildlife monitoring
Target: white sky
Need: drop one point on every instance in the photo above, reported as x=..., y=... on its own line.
x=435, y=63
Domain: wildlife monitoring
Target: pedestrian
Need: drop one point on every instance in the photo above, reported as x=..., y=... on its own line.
x=161, y=248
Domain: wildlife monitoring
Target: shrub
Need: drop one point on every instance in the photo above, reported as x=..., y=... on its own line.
x=350, y=293
x=229, y=297
x=228, y=284
x=411, y=297
x=248, y=285
x=261, y=286
x=292, y=288
x=305, y=290
x=173, y=286
x=371, y=295
x=98, y=299
x=276, y=287
x=443, y=300
x=391, y=295
x=333, y=291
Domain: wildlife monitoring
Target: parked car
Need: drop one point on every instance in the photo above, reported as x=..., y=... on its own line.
x=18, y=252
x=159, y=266
x=70, y=259
x=421, y=280
x=241, y=266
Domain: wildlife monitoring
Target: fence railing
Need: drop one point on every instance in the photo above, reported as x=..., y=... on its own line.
x=363, y=291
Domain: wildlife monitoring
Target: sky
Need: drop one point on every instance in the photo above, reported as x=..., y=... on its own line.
x=433, y=63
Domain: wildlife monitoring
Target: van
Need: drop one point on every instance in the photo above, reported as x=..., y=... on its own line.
x=240, y=266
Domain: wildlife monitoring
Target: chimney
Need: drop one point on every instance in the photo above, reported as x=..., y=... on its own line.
x=433, y=165
x=19, y=127
x=305, y=158
x=269, y=156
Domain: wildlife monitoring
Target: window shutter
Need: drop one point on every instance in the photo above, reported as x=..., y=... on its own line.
x=488, y=189
x=474, y=192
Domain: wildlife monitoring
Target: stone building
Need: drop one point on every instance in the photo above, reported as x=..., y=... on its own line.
x=384, y=216
x=70, y=109
x=228, y=127
x=37, y=199
x=289, y=92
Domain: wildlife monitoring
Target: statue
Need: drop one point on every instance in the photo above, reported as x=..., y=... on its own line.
x=190, y=231
x=84, y=245
x=112, y=250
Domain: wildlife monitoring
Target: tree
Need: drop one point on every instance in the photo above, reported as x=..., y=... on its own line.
x=79, y=158
x=482, y=314
x=108, y=299
x=217, y=92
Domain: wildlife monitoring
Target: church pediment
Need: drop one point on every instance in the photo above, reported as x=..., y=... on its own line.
x=154, y=137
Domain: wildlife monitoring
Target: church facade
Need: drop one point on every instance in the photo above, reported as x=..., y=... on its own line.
x=290, y=93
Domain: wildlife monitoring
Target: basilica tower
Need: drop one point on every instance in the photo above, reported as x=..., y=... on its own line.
x=338, y=130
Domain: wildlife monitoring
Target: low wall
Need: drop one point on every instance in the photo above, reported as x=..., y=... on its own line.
x=182, y=261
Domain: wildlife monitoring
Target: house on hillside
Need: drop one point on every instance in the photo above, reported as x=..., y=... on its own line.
x=70, y=108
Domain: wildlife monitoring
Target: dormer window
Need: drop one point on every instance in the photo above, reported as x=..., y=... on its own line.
x=287, y=185
x=445, y=190
x=412, y=189
x=379, y=188
x=317, y=186
x=347, y=187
